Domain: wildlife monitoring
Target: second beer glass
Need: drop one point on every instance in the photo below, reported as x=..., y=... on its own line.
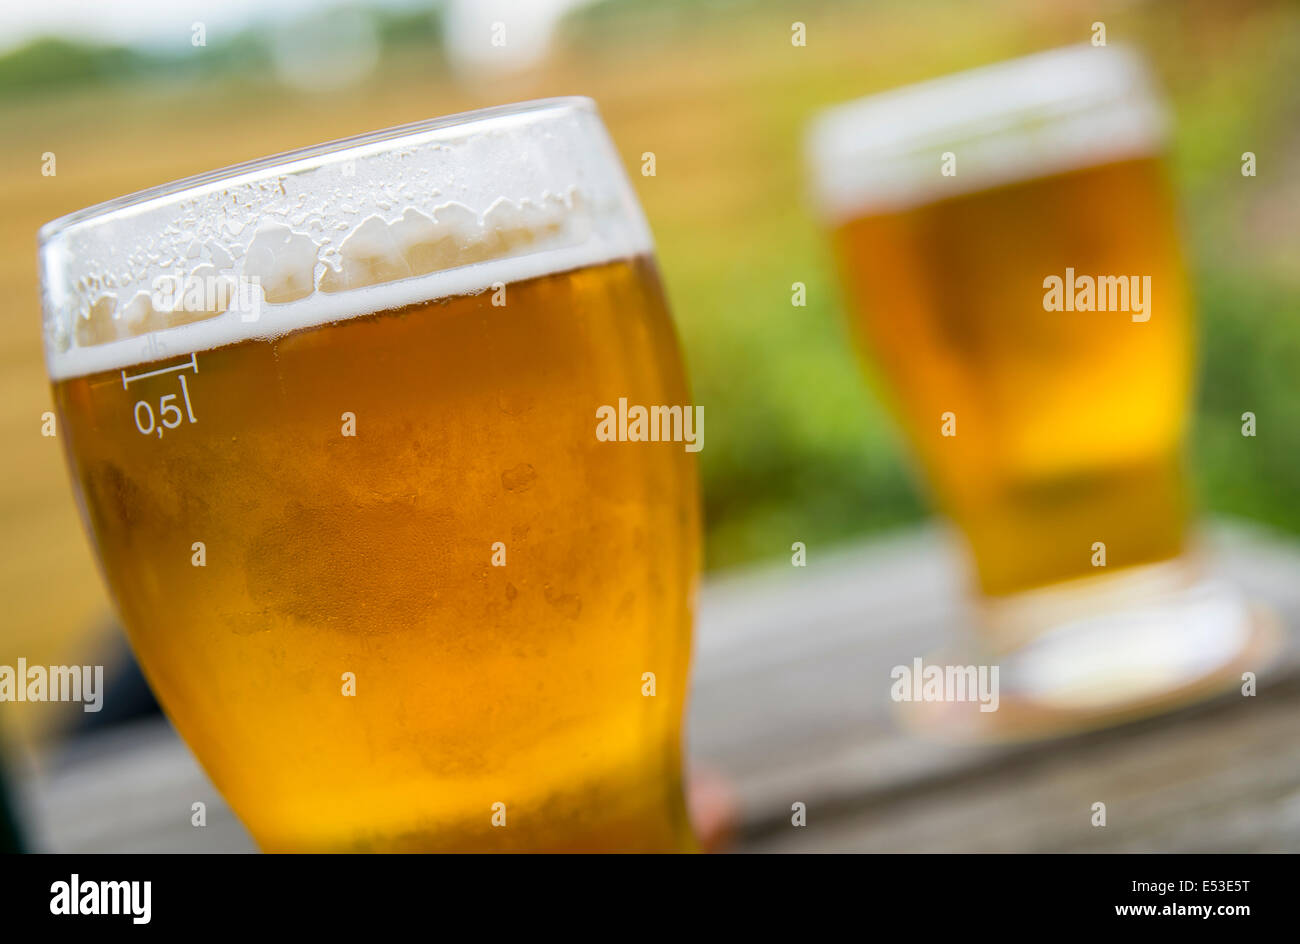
x=1008, y=242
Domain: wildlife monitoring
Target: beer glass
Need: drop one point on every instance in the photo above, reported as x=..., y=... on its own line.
x=331, y=421
x=1007, y=240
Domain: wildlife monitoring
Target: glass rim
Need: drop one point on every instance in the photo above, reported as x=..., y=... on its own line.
x=443, y=206
x=300, y=159
x=1029, y=116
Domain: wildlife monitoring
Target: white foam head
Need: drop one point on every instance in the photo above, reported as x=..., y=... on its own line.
x=429, y=210
x=1043, y=114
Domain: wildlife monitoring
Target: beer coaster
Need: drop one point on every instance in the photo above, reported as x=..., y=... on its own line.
x=1053, y=687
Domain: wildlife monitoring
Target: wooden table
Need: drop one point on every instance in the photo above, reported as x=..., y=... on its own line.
x=782, y=707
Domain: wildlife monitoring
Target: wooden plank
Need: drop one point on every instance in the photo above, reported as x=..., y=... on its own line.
x=129, y=790
x=807, y=719
x=1223, y=778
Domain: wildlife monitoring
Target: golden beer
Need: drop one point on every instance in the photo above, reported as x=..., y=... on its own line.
x=1068, y=426
x=382, y=574
x=953, y=205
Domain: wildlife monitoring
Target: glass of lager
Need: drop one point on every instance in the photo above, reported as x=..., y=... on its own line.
x=1007, y=240
x=331, y=421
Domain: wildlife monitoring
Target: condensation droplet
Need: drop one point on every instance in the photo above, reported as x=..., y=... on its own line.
x=567, y=603
x=520, y=478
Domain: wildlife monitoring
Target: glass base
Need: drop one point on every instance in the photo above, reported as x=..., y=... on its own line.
x=1101, y=651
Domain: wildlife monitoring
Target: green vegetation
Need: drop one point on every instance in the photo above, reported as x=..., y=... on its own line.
x=49, y=66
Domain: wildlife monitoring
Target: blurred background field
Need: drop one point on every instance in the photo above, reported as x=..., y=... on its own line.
x=797, y=447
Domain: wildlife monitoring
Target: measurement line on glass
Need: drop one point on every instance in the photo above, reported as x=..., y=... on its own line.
x=191, y=364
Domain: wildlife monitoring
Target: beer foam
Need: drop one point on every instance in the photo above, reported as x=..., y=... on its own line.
x=1043, y=114
x=427, y=211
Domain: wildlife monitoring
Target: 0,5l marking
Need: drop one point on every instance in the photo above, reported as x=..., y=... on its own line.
x=168, y=415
